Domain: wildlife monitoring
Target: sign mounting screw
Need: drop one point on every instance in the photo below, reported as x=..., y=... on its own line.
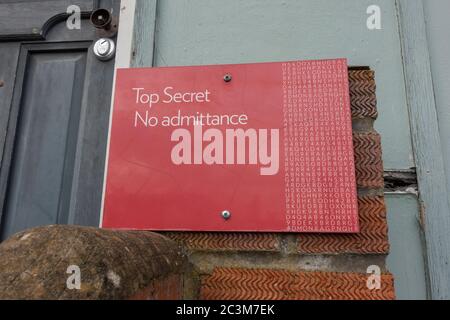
x=227, y=77
x=226, y=214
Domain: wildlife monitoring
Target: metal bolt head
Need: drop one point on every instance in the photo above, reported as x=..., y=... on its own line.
x=227, y=77
x=226, y=214
x=104, y=49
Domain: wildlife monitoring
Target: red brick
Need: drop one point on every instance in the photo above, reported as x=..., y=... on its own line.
x=368, y=160
x=372, y=239
x=227, y=241
x=261, y=284
x=362, y=94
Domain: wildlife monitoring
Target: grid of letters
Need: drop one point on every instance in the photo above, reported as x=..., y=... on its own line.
x=319, y=167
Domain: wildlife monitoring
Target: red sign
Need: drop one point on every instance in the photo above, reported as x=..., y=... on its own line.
x=251, y=147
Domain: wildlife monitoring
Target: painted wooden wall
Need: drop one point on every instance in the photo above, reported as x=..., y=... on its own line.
x=438, y=31
x=438, y=35
x=405, y=260
x=237, y=31
x=427, y=143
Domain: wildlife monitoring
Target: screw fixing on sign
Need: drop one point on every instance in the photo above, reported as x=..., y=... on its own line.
x=226, y=214
x=227, y=77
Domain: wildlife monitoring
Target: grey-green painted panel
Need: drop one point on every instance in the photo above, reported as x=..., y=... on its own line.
x=438, y=31
x=406, y=259
x=194, y=32
x=427, y=147
x=145, y=15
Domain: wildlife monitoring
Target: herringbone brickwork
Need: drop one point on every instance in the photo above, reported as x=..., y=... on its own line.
x=227, y=241
x=368, y=161
x=260, y=284
x=373, y=237
x=362, y=94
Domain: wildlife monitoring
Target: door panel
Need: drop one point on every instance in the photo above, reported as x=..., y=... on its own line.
x=39, y=190
x=54, y=119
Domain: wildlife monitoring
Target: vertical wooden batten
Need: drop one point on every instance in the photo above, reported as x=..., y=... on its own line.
x=124, y=36
x=426, y=142
x=144, y=33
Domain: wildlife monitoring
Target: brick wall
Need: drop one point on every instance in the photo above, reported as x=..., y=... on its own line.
x=304, y=266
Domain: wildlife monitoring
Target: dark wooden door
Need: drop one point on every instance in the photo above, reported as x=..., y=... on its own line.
x=54, y=112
